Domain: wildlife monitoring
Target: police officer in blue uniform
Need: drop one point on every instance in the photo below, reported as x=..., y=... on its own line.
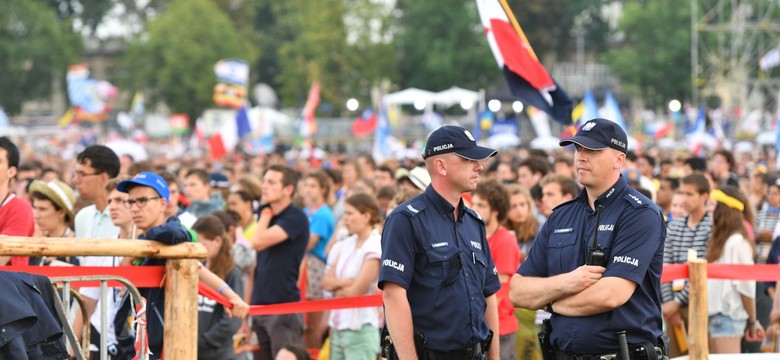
x=437, y=274
x=596, y=263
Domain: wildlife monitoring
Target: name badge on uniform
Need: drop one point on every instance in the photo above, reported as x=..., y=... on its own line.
x=439, y=244
x=563, y=231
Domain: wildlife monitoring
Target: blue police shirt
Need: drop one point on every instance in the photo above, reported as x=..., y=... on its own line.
x=631, y=231
x=445, y=266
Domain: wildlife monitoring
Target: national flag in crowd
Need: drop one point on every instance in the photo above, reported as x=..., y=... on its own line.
x=180, y=124
x=224, y=140
x=612, y=111
x=308, y=125
x=590, y=110
x=483, y=124
x=242, y=122
x=365, y=124
x=382, y=148
x=526, y=76
x=138, y=105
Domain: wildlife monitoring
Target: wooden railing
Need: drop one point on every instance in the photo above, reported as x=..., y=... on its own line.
x=181, y=278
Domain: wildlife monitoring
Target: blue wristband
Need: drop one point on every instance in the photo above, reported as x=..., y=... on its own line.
x=222, y=288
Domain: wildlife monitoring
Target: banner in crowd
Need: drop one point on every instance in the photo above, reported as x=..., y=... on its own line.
x=87, y=96
x=232, y=80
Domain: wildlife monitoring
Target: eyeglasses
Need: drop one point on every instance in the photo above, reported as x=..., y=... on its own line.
x=141, y=201
x=81, y=174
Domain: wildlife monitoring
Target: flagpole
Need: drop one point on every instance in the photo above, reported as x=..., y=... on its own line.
x=516, y=25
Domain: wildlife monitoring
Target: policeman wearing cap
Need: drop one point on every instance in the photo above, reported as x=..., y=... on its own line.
x=596, y=263
x=437, y=274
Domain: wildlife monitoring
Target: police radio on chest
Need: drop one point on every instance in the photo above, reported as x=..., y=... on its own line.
x=596, y=255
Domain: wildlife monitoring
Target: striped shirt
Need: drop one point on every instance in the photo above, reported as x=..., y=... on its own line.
x=766, y=221
x=680, y=238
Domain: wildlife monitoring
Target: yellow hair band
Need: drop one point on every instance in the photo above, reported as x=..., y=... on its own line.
x=727, y=200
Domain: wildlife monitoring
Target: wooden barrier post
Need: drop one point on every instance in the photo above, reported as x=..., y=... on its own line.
x=698, y=345
x=181, y=309
x=181, y=278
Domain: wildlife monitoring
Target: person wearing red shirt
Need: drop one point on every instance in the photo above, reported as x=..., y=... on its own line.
x=491, y=201
x=16, y=215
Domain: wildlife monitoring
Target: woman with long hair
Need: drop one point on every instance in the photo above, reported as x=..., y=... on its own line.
x=732, y=305
x=520, y=217
x=521, y=220
x=321, y=225
x=242, y=203
x=352, y=270
x=215, y=327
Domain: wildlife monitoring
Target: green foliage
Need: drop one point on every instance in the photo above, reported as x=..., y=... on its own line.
x=346, y=45
x=35, y=47
x=175, y=59
x=441, y=43
x=90, y=13
x=317, y=52
x=654, y=60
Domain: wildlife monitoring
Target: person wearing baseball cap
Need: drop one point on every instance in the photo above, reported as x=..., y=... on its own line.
x=611, y=235
x=148, y=195
x=435, y=259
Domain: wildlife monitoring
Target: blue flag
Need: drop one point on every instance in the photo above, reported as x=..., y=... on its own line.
x=242, y=122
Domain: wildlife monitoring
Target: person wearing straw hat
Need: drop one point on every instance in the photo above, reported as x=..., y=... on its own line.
x=53, y=212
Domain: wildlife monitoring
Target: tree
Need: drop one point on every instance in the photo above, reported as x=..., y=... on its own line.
x=346, y=45
x=317, y=52
x=550, y=26
x=88, y=14
x=35, y=48
x=175, y=58
x=654, y=60
x=441, y=43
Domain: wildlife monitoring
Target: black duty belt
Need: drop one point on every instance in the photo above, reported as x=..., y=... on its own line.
x=560, y=355
x=469, y=353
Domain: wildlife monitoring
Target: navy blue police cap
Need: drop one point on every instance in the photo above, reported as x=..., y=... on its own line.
x=450, y=138
x=599, y=134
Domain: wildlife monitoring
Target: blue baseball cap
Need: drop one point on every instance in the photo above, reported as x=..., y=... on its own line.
x=599, y=134
x=450, y=138
x=148, y=179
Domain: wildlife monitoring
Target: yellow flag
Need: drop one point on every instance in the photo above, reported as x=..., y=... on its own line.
x=66, y=119
x=576, y=114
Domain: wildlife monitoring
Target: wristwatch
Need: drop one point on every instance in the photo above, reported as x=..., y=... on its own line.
x=549, y=308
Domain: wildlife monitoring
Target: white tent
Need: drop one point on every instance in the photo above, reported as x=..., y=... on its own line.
x=409, y=96
x=455, y=96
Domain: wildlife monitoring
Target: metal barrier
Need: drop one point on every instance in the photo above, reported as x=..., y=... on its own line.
x=181, y=278
x=132, y=291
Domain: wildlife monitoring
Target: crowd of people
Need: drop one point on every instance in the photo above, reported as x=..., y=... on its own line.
x=282, y=230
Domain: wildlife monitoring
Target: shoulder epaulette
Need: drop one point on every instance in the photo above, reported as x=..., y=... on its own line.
x=412, y=208
x=637, y=200
x=475, y=214
x=565, y=203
